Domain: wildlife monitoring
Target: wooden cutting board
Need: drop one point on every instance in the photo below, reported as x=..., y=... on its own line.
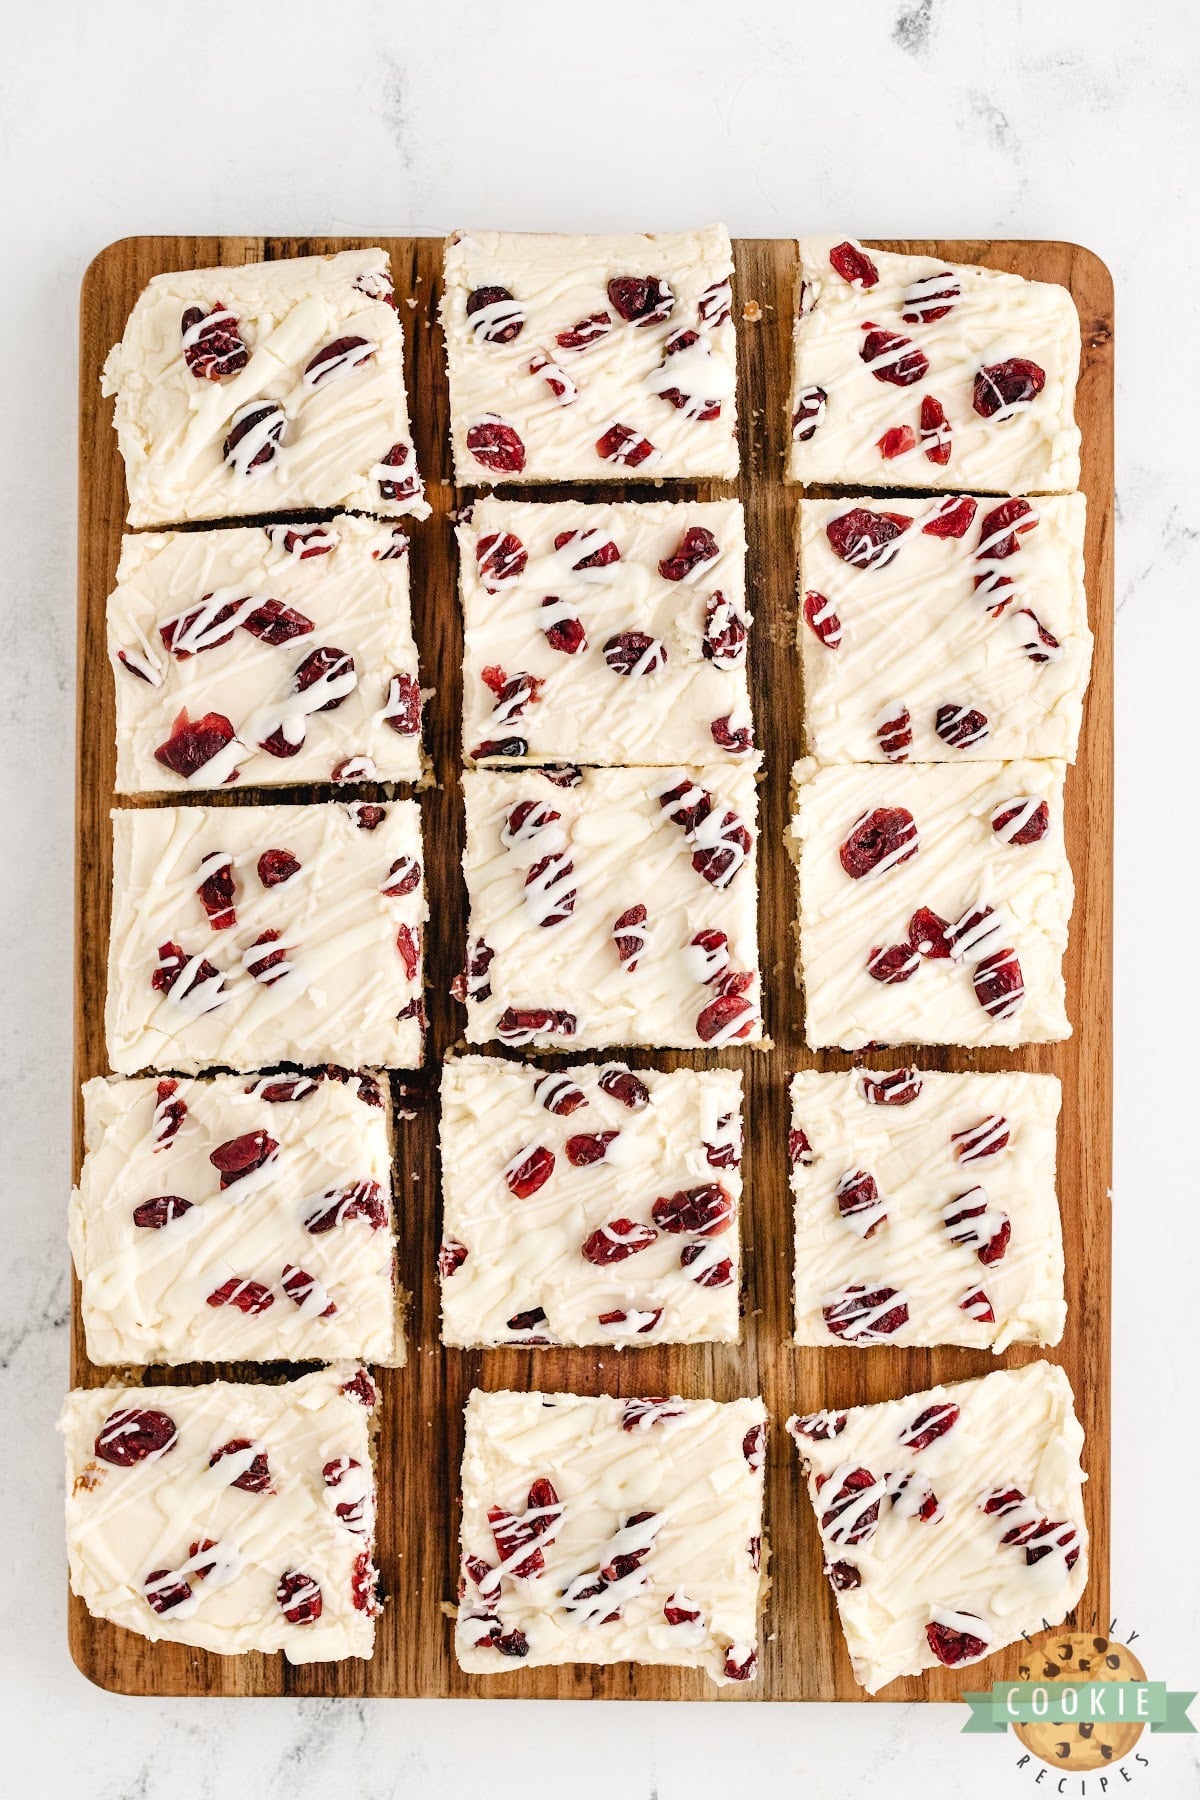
x=803, y=1656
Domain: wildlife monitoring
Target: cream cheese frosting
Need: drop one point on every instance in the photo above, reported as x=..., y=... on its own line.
x=298, y=637
x=914, y=373
x=611, y=907
x=934, y=903
x=271, y=386
x=606, y=1530
x=304, y=945
x=951, y=1521
x=910, y=613
x=227, y=1516
x=589, y=1205
x=605, y=633
x=590, y=358
x=925, y=1208
x=236, y=1219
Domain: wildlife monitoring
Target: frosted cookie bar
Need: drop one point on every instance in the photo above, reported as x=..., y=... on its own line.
x=605, y=634
x=275, y=655
x=226, y=1516
x=244, y=936
x=949, y=628
x=235, y=1219
x=925, y=1208
x=590, y=358
x=589, y=1205
x=264, y=388
x=934, y=903
x=611, y=906
x=951, y=1521
x=605, y=1531
x=913, y=374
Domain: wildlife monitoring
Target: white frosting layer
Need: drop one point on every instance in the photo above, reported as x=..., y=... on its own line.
x=343, y=990
x=957, y=1133
x=993, y=318
x=961, y=862
x=617, y=847
x=558, y=1249
x=917, y=629
x=618, y=371
x=688, y=708
x=321, y=1157
x=696, y=1465
x=128, y=1523
x=341, y=418
x=348, y=581
x=1015, y=1430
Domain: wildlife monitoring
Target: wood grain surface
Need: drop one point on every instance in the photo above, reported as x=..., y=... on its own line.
x=802, y=1652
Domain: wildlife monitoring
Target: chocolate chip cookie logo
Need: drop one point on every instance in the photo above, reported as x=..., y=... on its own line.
x=1082, y=1743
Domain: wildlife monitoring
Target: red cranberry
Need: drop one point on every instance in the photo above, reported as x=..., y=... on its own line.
x=328, y=666
x=934, y=1422
x=171, y=966
x=1001, y=386
x=715, y=304
x=678, y=1610
x=818, y=1426
x=975, y=1143
x=152, y=1215
x=501, y=558
x=893, y=358
x=930, y=298
x=496, y=445
x=212, y=343
x=255, y=434
x=623, y=1085
x=970, y=1223
x=1022, y=821
x=1039, y=645
x=718, y=863
x=696, y=547
x=132, y=1435
x=613, y=1242
x=217, y=897
x=340, y=357
x=567, y=633
x=953, y=519
x=162, y=1590
x=299, y=1598
x=643, y=1323
x=600, y=557
x=360, y=1200
x=256, y=1477
x=403, y=487
x=529, y=1170
x=715, y=1273
x=724, y=641
x=842, y=1576
x=250, y=1297
x=859, y=1200
x=402, y=708
x=1003, y=527
x=927, y=934
x=239, y=1156
x=194, y=742
x=800, y=1150
x=853, y=265
x=629, y=936
x=558, y=1094
x=879, y=841
x=726, y=1018
x=976, y=1305
x=587, y=332
x=999, y=984
x=641, y=299
x=960, y=726
x=900, y=1087
x=865, y=1315
x=496, y=318
x=895, y=734
x=701, y=1211
x=404, y=877
x=866, y=539
x=451, y=1257
x=635, y=653
x=300, y=1287
x=276, y=866
x=897, y=440
x=273, y=623
x=892, y=963
x=809, y=413
x=738, y=740
x=621, y=444
x=953, y=1647
x=169, y=1113
x=521, y=1024
x=588, y=1147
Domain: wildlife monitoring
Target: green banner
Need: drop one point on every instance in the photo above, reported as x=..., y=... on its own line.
x=1072, y=1702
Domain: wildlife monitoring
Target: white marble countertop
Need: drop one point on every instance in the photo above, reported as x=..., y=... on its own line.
x=888, y=118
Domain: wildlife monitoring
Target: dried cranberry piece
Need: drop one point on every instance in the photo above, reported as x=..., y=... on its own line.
x=1031, y=818
x=819, y=1426
x=623, y=1085
x=678, y=1609
x=866, y=539
x=999, y=984
x=809, y=413
x=650, y=1410
x=892, y=963
x=715, y=1273
x=859, y=1201
x=892, y=357
x=212, y=343
x=635, y=653
x=587, y=332
x=299, y=1597
x=557, y=380
x=724, y=641
x=361, y=1388
x=934, y=1422
x=565, y=633
x=163, y=1589
x=879, y=841
x=842, y=1576
x=529, y=1170
x=727, y=1017
x=172, y=961
x=276, y=866
x=718, y=863
x=300, y=543
x=138, y=665
x=501, y=558
x=189, y=633
x=930, y=298
x=329, y=665
x=278, y=743
x=407, y=485
x=557, y=1093
x=273, y=623
x=1039, y=645
x=899, y=1087
x=953, y=518
x=865, y=1315
x=496, y=445
x=588, y=1147
x=402, y=708
x=194, y=742
x=853, y=265
x=741, y=1662
x=696, y=547
x=404, y=877
x=687, y=805
x=249, y=1297
x=976, y=1305
x=152, y=1215
x=641, y=299
x=525, y=819
x=800, y=1150
x=728, y=1153
x=642, y=1323
x=255, y=434
x=1001, y=386
x=359, y=1200
x=712, y=955
x=952, y=1647
x=847, y=1518
x=525, y=1321
x=624, y=1562
x=936, y=439
x=1002, y=529
x=928, y=934
x=960, y=726
x=895, y=733
x=521, y=1024
x=131, y=1435
x=169, y=1113
x=613, y=1242
x=217, y=896
x=701, y=1211
x=364, y=1583
x=600, y=556
x=629, y=936
x=256, y=1478
x=340, y=357
x=970, y=1223
x=496, y=317
x=897, y=440
x=736, y=739
x=715, y=304
x=513, y=1531
x=450, y=1257
x=365, y=816
x=975, y=1143
x=621, y=444
x=300, y=1287
x=239, y=1156
x=408, y=943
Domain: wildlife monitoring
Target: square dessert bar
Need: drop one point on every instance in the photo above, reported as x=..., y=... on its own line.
x=913, y=374
x=589, y=1205
x=604, y=1530
x=244, y=936
x=949, y=628
x=263, y=388
x=237, y=1219
x=230, y=1517
x=605, y=634
x=934, y=903
x=590, y=358
x=285, y=653
x=925, y=1208
x=611, y=906
x=951, y=1521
